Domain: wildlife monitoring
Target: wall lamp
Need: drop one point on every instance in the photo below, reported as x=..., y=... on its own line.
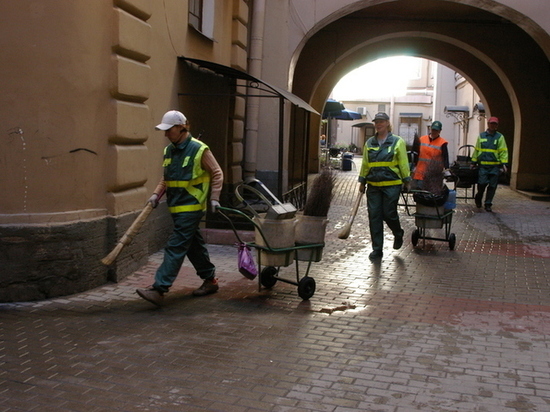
x=479, y=111
x=461, y=114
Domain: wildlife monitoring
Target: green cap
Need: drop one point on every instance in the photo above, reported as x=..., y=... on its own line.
x=437, y=125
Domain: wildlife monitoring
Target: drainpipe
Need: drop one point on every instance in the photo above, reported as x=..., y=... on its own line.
x=253, y=103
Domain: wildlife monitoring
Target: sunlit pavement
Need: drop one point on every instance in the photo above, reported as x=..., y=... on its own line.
x=426, y=328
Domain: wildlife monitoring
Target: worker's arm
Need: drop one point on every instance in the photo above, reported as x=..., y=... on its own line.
x=210, y=164
x=445, y=155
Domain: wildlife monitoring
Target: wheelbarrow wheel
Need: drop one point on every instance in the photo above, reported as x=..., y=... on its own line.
x=267, y=276
x=452, y=241
x=415, y=236
x=306, y=287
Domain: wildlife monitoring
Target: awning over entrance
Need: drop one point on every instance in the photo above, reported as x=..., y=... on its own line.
x=237, y=74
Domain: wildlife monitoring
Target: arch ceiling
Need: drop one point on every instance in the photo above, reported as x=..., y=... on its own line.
x=489, y=50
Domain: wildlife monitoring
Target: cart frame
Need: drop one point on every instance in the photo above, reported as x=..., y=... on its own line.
x=464, y=163
x=423, y=221
x=269, y=276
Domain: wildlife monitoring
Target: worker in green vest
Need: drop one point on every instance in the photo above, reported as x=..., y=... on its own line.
x=491, y=156
x=384, y=170
x=191, y=174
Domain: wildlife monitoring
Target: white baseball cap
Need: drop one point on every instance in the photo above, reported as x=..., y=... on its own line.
x=171, y=118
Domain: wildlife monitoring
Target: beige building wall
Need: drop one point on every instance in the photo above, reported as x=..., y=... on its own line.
x=83, y=84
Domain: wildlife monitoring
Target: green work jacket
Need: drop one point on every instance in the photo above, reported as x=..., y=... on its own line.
x=490, y=150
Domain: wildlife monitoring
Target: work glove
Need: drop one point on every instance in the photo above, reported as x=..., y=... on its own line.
x=406, y=187
x=504, y=169
x=154, y=200
x=214, y=204
x=362, y=188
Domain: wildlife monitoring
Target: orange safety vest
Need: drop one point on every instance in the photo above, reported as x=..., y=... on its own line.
x=430, y=152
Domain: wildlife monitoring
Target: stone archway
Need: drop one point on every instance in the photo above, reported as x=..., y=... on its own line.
x=483, y=46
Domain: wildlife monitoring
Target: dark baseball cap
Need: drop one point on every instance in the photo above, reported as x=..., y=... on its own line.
x=381, y=116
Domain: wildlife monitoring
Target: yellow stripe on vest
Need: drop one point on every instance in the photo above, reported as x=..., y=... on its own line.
x=383, y=164
x=187, y=183
x=386, y=183
x=186, y=208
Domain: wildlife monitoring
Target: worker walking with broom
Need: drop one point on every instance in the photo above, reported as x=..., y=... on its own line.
x=384, y=169
x=191, y=173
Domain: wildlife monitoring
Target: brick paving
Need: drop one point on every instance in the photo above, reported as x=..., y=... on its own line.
x=426, y=329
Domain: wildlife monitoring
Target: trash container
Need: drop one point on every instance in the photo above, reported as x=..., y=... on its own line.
x=347, y=160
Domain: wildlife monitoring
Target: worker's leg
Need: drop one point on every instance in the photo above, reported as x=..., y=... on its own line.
x=483, y=181
x=492, y=177
x=376, y=218
x=199, y=257
x=391, y=217
x=185, y=226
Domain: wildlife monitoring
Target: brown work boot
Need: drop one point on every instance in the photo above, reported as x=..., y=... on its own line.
x=151, y=295
x=208, y=286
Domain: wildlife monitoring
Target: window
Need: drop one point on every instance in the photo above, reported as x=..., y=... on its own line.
x=195, y=14
x=201, y=16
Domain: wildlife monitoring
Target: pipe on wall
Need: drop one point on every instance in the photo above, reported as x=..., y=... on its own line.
x=253, y=102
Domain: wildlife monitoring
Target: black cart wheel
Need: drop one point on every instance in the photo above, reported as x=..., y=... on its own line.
x=415, y=236
x=267, y=276
x=306, y=287
x=452, y=241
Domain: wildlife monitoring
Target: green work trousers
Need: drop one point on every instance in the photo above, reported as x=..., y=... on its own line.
x=186, y=240
x=488, y=178
x=382, y=204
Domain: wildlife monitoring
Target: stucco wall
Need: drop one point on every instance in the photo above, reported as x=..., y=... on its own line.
x=83, y=85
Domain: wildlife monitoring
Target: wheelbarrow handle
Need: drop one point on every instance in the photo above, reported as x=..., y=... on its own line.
x=264, y=187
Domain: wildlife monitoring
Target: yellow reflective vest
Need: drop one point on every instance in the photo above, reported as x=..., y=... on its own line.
x=386, y=164
x=187, y=183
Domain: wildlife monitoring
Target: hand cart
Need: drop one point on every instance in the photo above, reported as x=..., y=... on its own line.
x=434, y=216
x=269, y=275
x=465, y=172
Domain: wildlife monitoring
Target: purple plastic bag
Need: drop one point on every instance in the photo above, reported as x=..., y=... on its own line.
x=246, y=262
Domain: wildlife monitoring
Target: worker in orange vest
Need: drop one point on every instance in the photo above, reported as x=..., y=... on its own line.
x=431, y=149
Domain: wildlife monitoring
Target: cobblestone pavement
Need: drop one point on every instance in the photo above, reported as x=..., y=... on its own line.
x=426, y=329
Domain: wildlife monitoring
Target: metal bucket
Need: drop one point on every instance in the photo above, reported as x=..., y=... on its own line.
x=279, y=234
x=310, y=230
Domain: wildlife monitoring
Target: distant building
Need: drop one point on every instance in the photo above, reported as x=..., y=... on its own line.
x=425, y=100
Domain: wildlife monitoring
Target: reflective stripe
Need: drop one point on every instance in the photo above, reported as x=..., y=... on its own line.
x=186, y=208
x=383, y=164
x=488, y=150
x=186, y=183
x=489, y=163
x=386, y=183
x=433, y=146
